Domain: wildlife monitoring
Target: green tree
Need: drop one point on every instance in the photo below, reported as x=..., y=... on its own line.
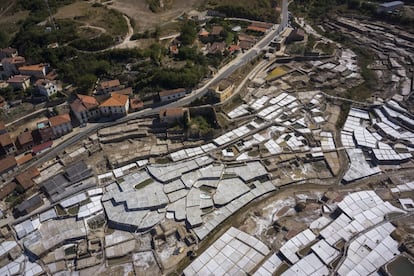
x=86, y=83
x=188, y=32
x=4, y=39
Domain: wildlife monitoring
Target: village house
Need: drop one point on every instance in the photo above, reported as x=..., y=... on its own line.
x=136, y=104
x=85, y=108
x=296, y=35
x=8, y=53
x=216, y=31
x=11, y=65
x=223, y=90
x=25, y=179
x=24, y=158
x=43, y=133
x=19, y=82
x=234, y=49
x=7, y=165
x=38, y=71
x=108, y=86
x=204, y=35
x=172, y=115
x=6, y=145
x=259, y=27
x=256, y=29
x=216, y=48
x=246, y=41
x=46, y=87
x=38, y=149
x=116, y=105
x=60, y=124
x=125, y=91
x=24, y=141
x=28, y=206
x=7, y=189
x=172, y=95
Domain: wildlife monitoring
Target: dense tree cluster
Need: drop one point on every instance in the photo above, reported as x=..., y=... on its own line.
x=262, y=10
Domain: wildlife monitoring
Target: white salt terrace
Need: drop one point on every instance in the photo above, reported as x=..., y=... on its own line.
x=179, y=197
x=269, y=267
x=228, y=190
x=213, y=219
x=238, y=111
x=309, y=265
x=292, y=246
x=358, y=167
x=259, y=103
x=191, y=152
x=365, y=255
x=390, y=155
x=234, y=253
x=403, y=188
x=370, y=251
x=361, y=211
x=364, y=138
x=232, y=135
x=325, y=252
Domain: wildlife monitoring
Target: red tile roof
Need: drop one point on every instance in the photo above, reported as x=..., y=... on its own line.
x=25, y=137
x=7, y=189
x=18, y=79
x=217, y=30
x=256, y=29
x=41, y=147
x=25, y=178
x=244, y=37
x=35, y=67
x=59, y=120
x=172, y=112
x=88, y=101
x=77, y=106
x=24, y=159
x=109, y=84
x=5, y=139
x=7, y=164
x=126, y=91
x=14, y=60
x=203, y=32
x=115, y=100
x=233, y=48
x=136, y=103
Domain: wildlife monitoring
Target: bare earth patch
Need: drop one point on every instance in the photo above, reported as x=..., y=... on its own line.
x=145, y=19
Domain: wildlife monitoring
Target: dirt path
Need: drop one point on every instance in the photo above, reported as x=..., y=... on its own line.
x=102, y=30
x=127, y=42
x=5, y=10
x=146, y=19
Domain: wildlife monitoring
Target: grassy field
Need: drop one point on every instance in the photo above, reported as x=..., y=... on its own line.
x=95, y=19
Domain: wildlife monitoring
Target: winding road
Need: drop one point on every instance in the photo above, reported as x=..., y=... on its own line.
x=223, y=73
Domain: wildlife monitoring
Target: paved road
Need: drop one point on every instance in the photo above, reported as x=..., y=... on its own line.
x=223, y=73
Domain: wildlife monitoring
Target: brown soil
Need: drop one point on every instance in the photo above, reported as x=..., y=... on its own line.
x=145, y=19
